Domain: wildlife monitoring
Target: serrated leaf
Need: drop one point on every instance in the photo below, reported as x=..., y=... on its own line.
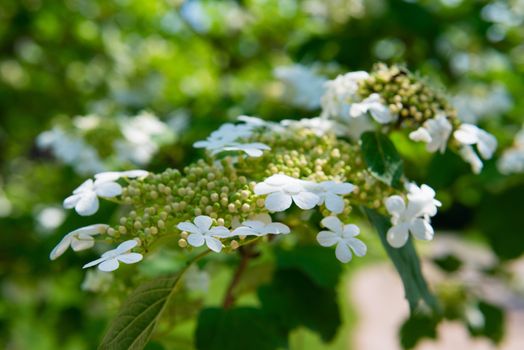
x=407, y=265
x=237, y=329
x=134, y=324
x=314, y=261
x=293, y=299
x=381, y=157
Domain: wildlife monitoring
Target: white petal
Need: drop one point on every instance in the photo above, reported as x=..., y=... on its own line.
x=278, y=201
x=61, y=247
x=263, y=188
x=333, y=223
x=108, y=176
x=342, y=252
x=334, y=203
x=381, y=114
x=130, y=258
x=220, y=232
x=244, y=231
x=358, y=246
x=213, y=244
x=78, y=244
x=276, y=228
x=421, y=229
x=305, y=200
x=87, y=185
x=203, y=222
x=338, y=188
x=351, y=230
x=87, y=205
x=109, y=265
x=420, y=135
x=327, y=238
x=279, y=180
x=398, y=235
x=466, y=134
x=71, y=201
x=94, y=262
x=486, y=145
x=126, y=246
x=395, y=205
x=108, y=189
x=189, y=227
x=196, y=239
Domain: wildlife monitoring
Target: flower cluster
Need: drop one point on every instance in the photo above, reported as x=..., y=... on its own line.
x=394, y=97
x=232, y=196
x=219, y=202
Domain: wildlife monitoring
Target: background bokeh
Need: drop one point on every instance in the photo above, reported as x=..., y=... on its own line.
x=178, y=69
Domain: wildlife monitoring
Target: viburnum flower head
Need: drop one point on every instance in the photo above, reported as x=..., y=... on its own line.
x=435, y=132
x=411, y=218
x=79, y=239
x=282, y=190
x=201, y=232
x=110, y=260
x=343, y=236
x=260, y=225
x=85, y=197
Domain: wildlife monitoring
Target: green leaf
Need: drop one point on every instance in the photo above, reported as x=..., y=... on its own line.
x=417, y=327
x=293, y=300
x=407, y=264
x=237, y=329
x=134, y=324
x=381, y=157
x=316, y=262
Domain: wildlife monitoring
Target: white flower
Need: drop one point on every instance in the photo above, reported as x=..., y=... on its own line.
x=255, y=149
x=330, y=193
x=435, y=133
x=412, y=218
x=343, y=236
x=376, y=108
x=110, y=260
x=260, y=225
x=79, y=239
x=340, y=92
x=468, y=135
x=283, y=190
x=115, y=175
x=202, y=232
x=85, y=197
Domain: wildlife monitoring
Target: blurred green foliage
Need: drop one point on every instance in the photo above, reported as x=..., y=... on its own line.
x=214, y=60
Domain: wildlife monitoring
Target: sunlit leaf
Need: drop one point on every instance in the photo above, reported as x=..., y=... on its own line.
x=381, y=157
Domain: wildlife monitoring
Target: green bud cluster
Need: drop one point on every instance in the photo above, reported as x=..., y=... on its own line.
x=224, y=189
x=407, y=95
